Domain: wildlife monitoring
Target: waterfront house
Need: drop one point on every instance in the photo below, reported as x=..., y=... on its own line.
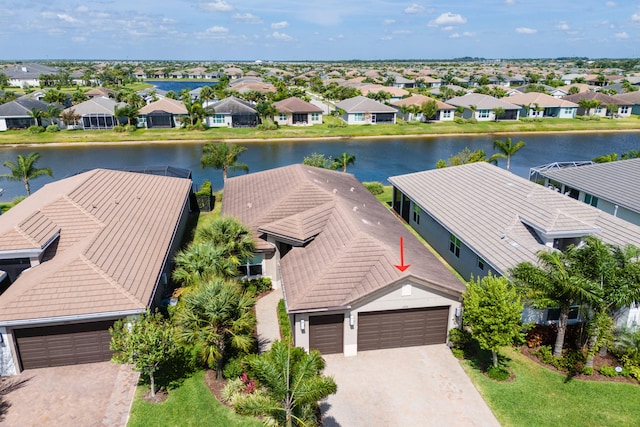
x=445, y=111
x=18, y=114
x=541, y=105
x=483, y=219
x=81, y=253
x=232, y=112
x=622, y=108
x=163, y=113
x=482, y=107
x=294, y=111
x=361, y=110
x=333, y=248
x=630, y=98
x=97, y=113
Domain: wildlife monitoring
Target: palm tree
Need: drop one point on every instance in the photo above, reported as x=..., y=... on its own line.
x=293, y=382
x=207, y=93
x=223, y=156
x=202, y=261
x=554, y=281
x=25, y=169
x=232, y=236
x=507, y=149
x=128, y=111
x=216, y=318
x=37, y=115
x=52, y=113
x=343, y=161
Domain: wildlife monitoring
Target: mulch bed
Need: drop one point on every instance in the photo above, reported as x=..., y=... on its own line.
x=215, y=385
x=161, y=396
x=599, y=361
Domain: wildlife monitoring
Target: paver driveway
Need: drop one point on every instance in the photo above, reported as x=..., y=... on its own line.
x=95, y=394
x=413, y=386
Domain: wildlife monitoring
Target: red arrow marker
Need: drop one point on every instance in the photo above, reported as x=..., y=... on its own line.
x=402, y=267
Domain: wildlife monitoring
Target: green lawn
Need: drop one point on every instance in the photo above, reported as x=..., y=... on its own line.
x=320, y=131
x=540, y=397
x=191, y=404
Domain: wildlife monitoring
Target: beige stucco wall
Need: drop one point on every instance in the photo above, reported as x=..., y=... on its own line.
x=403, y=295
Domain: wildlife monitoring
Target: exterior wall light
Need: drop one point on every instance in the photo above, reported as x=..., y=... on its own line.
x=352, y=320
x=302, y=325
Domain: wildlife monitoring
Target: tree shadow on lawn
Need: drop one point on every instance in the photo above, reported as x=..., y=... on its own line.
x=172, y=373
x=482, y=359
x=7, y=385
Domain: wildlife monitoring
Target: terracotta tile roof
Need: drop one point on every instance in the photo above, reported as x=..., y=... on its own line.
x=418, y=100
x=542, y=99
x=355, y=241
x=32, y=233
x=115, y=232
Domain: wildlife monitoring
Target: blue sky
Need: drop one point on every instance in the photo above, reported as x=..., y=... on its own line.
x=317, y=30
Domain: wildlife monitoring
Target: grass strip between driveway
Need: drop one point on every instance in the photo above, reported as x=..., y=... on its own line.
x=190, y=404
x=540, y=397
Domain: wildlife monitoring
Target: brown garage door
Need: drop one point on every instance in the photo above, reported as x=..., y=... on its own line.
x=326, y=333
x=64, y=344
x=402, y=328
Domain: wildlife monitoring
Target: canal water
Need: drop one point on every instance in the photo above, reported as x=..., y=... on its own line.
x=376, y=158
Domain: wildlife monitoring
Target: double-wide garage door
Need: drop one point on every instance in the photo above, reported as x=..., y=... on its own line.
x=63, y=345
x=402, y=328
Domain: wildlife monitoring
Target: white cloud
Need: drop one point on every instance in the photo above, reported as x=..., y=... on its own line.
x=82, y=9
x=341, y=36
x=389, y=21
x=448, y=28
x=66, y=18
x=611, y=4
x=78, y=39
x=525, y=30
x=454, y=36
x=414, y=8
x=279, y=25
x=622, y=35
x=402, y=32
x=463, y=34
x=281, y=36
x=217, y=29
x=448, y=19
x=247, y=18
x=218, y=6
x=635, y=17
x=510, y=1
x=562, y=25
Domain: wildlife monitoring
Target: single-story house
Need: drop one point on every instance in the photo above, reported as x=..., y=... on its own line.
x=98, y=92
x=556, y=92
x=232, y=112
x=295, y=111
x=96, y=113
x=163, y=113
x=81, y=253
x=623, y=107
x=630, y=98
x=334, y=250
x=481, y=218
x=17, y=114
x=611, y=187
x=445, y=111
x=395, y=93
x=361, y=110
x=481, y=107
x=28, y=74
x=541, y=105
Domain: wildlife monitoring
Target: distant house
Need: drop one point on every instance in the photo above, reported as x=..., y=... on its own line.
x=623, y=108
x=81, y=253
x=17, y=114
x=163, y=113
x=481, y=218
x=232, y=112
x=101, y=92
x=630, y=98
x=97, y=113
x=395, y=93
x=27, y=74
x=445, y=111
x=539, y=105
x=295, y=111
x=361, y=110
x=332, y=248
x=482, y=107
x=611, y=187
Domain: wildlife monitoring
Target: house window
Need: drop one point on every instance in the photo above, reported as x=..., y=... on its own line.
x=315, y=117
x=483, y=114
x=446, y=114
x=591, y=200
x=480, y=263
x=568, y=110
x=624, y=109
x=357, y=117
x=454, y=246
x=283, y=117
x=416, y=214
x=252, y=266
x=598, y=110
x=218, y=119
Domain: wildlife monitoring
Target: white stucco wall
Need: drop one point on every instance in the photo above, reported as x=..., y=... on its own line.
x=3, y=125
x=7, y=364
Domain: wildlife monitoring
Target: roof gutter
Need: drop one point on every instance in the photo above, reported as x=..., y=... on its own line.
x=72, y=319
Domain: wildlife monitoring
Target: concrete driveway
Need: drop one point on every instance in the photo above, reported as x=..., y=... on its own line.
x=413, y=386
x=95, y=394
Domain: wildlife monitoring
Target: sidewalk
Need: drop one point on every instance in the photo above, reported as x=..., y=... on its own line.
x=266, y=313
